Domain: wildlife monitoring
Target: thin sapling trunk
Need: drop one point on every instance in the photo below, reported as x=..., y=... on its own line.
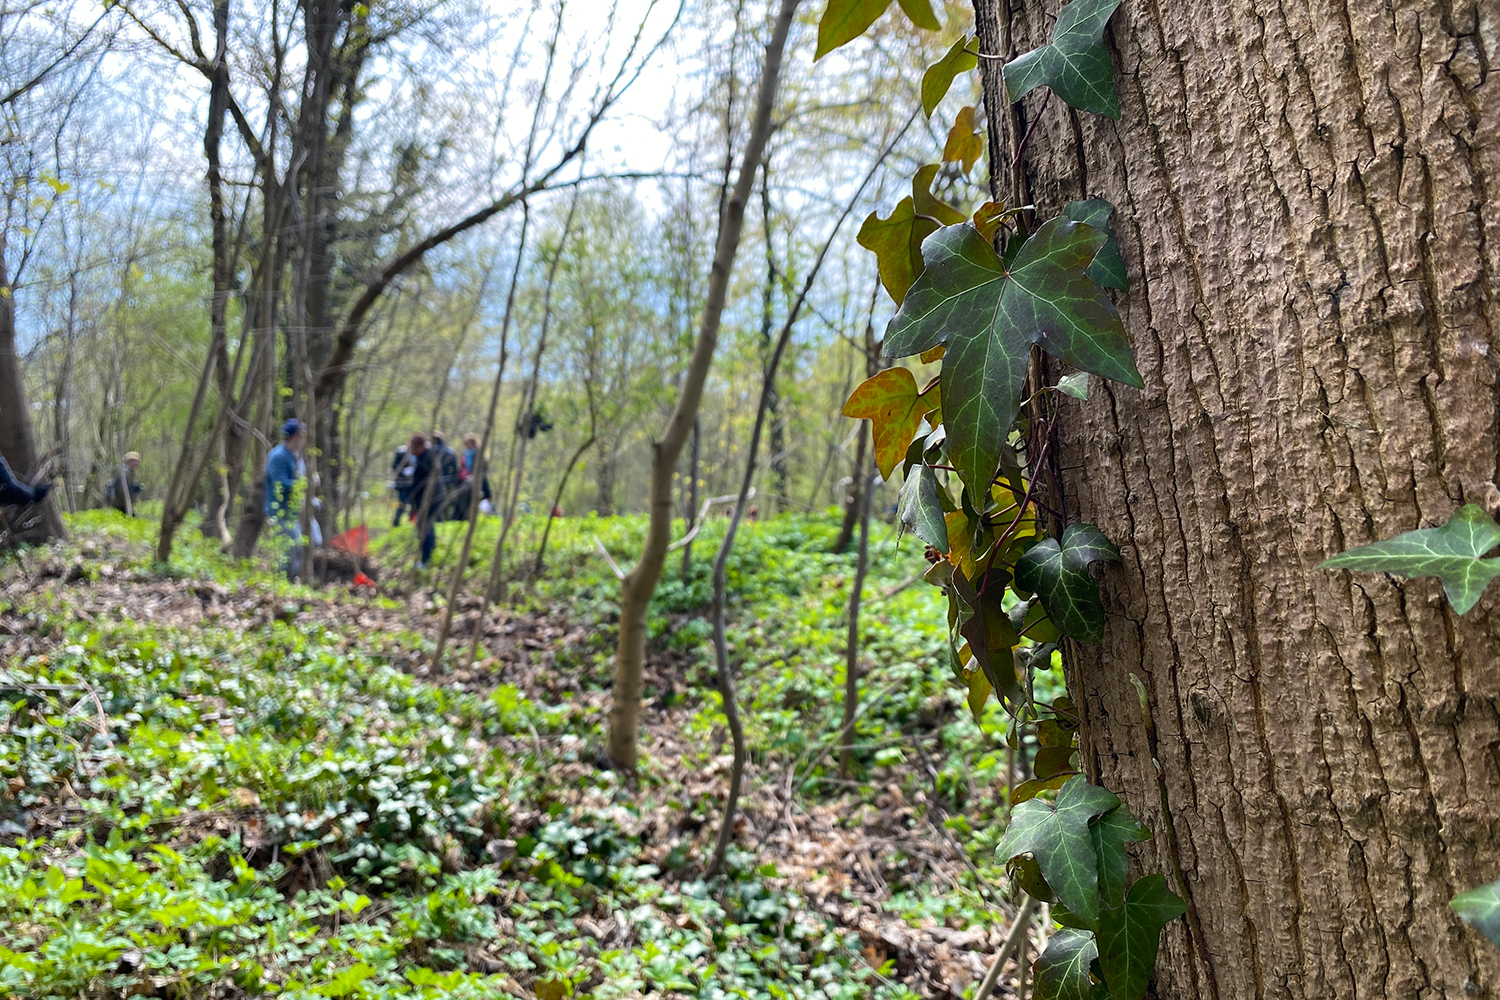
x=638, y=586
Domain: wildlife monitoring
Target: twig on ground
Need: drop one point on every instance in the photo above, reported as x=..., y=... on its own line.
x=892, y=593
x=1007, y=948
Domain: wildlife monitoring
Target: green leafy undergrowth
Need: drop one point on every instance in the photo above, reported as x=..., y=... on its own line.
x=788, y=621
x=196, y=811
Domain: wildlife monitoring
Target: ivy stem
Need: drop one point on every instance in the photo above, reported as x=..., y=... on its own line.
x=1022, y=634
x=1021, y=149
x=1020, y=515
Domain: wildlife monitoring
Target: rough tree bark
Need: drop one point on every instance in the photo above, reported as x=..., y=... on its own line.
x=1306, y=196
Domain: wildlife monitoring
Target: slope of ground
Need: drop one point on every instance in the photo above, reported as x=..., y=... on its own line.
x=218, y=784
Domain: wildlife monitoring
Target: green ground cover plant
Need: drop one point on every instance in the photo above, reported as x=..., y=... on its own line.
x=195, y=809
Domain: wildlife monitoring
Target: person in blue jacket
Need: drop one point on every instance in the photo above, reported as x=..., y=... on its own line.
x=13, y=492
x=284, y=466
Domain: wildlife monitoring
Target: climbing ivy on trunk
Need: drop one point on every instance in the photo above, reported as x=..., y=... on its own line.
x=982, y=293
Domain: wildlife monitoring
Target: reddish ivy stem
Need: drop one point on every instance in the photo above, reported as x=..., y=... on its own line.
x=1021, y=149
x=1022, y=634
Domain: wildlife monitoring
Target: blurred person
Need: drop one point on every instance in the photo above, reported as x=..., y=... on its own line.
x=401, y=472
x=123, y=491
x=448, y=465
x=466, y=475
x=426, y=494
x=284, y=467
x=13, y=492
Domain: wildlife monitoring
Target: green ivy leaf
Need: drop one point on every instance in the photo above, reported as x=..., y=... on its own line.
x=1076, y=65
x=1128, y=940
x=1062, y=971
x=938, y=79
x=920, y=509
x=1450, y=553
x=1111, y=832
x=981, y=619
x=1481, y=907
x=1031, y=620
x=1050, y=761
x=1075, y=385
x=1060, y=915
x=1024, y=871
x=1060, y=841
x=1059, y=575
x=990, y=315
x=1108, y=268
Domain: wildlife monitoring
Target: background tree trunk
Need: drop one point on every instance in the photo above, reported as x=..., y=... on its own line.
x=1305, y=197
x=637, y=587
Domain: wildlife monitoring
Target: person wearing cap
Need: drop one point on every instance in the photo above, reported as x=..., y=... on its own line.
x=14, y=493
x=284, y=466
x=123, y=491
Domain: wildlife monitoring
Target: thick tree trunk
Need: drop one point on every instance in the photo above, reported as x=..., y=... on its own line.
x=17, y=440
x=1307, y=201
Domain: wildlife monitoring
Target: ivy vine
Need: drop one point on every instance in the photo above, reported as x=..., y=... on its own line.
x=981, y=293
x=1455, y=554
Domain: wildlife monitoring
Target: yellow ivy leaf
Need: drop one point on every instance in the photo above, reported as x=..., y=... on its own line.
x=979, y=692
x=845, y=20
x=959, y=541
x=964, y=145
x=928, y=203
x=894, y=407
x=921, y=13
x=932, y=354
x=938, y=79
x=987, y=218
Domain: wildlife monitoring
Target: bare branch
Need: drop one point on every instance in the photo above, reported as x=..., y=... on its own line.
x=614, y=566
x=37, y=80
x=348, y=334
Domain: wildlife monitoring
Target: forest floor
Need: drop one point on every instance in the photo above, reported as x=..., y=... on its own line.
x=220, y=784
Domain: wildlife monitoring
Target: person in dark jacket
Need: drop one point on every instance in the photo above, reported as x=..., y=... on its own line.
x=401, y=468
x=13, y=492
x=123, y=492
x=426, y=493
x=449, y=468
